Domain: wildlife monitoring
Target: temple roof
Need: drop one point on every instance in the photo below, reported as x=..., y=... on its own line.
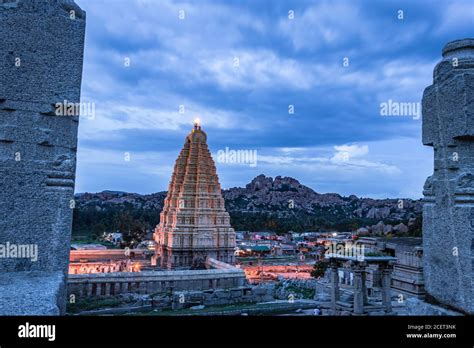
x=197, y=134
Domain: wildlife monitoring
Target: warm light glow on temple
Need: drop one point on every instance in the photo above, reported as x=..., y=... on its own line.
x=194, y=224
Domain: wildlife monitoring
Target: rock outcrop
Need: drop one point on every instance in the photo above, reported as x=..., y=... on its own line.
x=284, y=199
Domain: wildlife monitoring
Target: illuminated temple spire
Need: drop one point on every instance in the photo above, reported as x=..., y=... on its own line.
x=194, y=223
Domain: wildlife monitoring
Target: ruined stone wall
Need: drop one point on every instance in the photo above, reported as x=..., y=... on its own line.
x=41, y=56
x=448, y=212
x=109, y=254
x=107, y=284
x=407, y=277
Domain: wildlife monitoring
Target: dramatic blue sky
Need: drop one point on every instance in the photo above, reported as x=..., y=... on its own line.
x=336, y=140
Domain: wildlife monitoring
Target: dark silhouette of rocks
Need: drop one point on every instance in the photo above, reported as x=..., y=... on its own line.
x=283, y=197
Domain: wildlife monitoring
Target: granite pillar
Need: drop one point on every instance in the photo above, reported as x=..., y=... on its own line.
x=386, y=290
x=334, y=286
x=448, y=212
x=358, y=290
x=41, y=55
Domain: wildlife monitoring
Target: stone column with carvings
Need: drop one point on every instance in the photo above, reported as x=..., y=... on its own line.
x=448, y=212
x=334, y=285
x=358, y=270
x=41, y=56
x=364, y=286
x=386, y=288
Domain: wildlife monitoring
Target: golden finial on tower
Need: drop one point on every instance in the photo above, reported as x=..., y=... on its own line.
x=197, y=123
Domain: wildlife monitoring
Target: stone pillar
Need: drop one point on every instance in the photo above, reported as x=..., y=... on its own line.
x=154, y=260
x=89, y=289
x=148, y=287
x=80, y=290
x=142, y=289
x=358, y=289
x=107, y=289
x=41, y=55
x=386, y=289
x=334, y=285
x=448, y=211
x=98, y=289
x=364, y=286
x=123, y=287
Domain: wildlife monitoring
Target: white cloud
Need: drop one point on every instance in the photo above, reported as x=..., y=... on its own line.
x=291, y=149
x=459, y=14
x=381, y=170
x=160, y=21
x=354, y=157
x=342, y=158
x=344, y=27
x=326, y=23
x=350, y=151
x=257, y=68
x=293, y=160
x=120, y=115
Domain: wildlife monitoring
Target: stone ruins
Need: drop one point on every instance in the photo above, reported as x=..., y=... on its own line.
x=40, y=66
x=194, y=224
x=360, y=304
x=448, y=212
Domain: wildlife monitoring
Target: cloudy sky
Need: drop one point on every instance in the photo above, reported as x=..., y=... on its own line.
x=299, y=82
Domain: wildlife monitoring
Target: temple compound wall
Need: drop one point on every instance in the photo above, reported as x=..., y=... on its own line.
x=222, y=276
x=108, y=255
x=41, y=56
x=448, y=212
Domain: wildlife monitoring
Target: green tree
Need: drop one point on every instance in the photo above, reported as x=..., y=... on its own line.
x=319, y=268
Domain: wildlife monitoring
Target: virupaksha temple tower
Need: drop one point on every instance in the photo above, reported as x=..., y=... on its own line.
x=448, y=212
x=41, y=56
x=194, y=224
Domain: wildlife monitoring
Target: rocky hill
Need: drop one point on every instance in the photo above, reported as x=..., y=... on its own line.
x=280, y=204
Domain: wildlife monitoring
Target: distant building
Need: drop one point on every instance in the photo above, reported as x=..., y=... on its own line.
x=114, y=237
x=253, y=250
x=285, y=249
x=147, y=244
x=240, y=235
x=88, y=247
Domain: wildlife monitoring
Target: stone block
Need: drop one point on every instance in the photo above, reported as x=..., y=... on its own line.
x=417, y=307
x=259, y=291
x=235, y=293
x=32, y=293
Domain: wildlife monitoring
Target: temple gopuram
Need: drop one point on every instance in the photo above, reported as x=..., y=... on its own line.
x=194, y=224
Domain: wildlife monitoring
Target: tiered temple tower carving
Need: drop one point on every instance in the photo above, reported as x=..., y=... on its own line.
x=194, y=223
